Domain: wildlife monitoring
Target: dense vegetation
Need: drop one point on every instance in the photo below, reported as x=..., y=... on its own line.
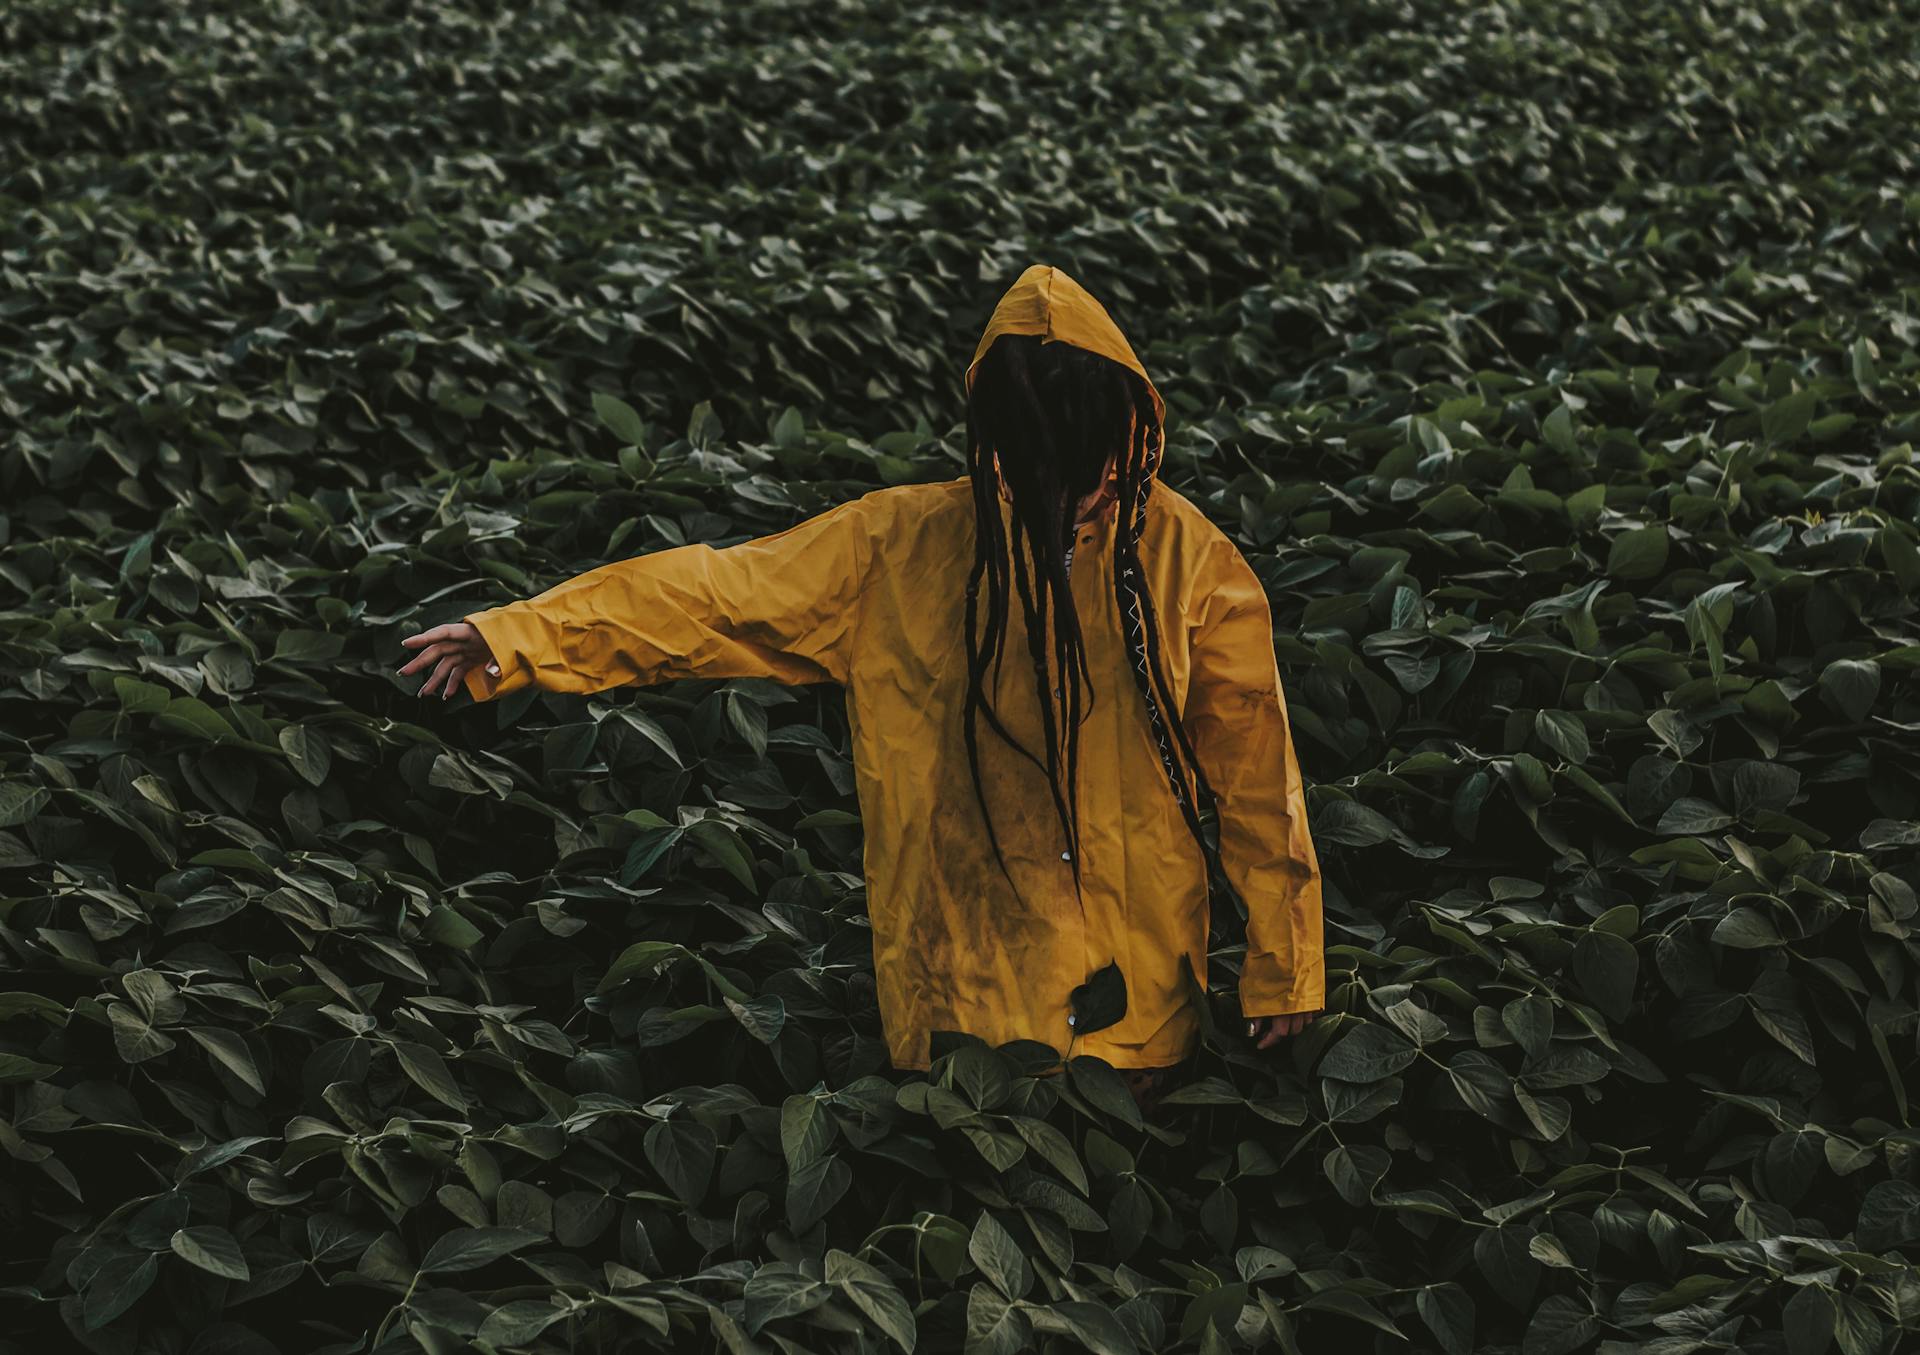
x=1556, y=366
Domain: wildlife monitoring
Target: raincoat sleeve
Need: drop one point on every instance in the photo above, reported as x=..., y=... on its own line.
x=783, y=606
x=1236, y=718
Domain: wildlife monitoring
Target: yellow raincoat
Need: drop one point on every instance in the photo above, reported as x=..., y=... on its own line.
x=870, y=594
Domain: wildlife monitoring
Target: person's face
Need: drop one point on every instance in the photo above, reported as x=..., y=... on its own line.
x=1090, y=505
x=1094, y=504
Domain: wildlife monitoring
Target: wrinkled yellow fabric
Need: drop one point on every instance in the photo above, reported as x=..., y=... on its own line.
x=870, y=594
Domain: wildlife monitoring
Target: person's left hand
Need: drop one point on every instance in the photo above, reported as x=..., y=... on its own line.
x=451, y=650
x=1268, y=1031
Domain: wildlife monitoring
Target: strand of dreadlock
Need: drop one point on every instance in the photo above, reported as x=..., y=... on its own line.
x=986, y=510
x=994, y=560
x=1034, y=602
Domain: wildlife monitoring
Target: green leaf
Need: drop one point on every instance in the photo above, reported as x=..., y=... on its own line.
x=944, y=1241
x=116, y=1286
x=1774, y=1002
x=1606, y=967
x=999, y=1257
x=1692, y=816
x=1530, y=1021
x=430, y=1073
x=763, y=1017
x=1506, y=1260
x=873, y=1294
x=209, y=1156
x=703, y=425
x=1851, y=686
x=231, y=1050
x=141, y=698
x=790, y=429
x=1102, y=1086
x=724, y=845
x=1447, y=1309
x=646, y=851
x=620, y=418
x=682, y=1151
x=447, y=926
x=471, y=1248
x=1638, y=554
x=1902, y=557
x=1095, y=1327
x=308, y=752
x=982, y=1074
x=20, y=1068
x=1550, y=1116
x=827, y=818
x=1100, y=1001
x=1855, y=1326
x=642, y=957
x=1783, y=421
x=994, y=1325
x=1584, y=506
x=518, y=1322
x=1761, y=785
x=1370, y=1053
x=1055, y=1147
x=213, y=1249
x=1621, y=920
x=1866, y=375
x=1557, y=428
x=135, y=1039
x=1416, y=1022
x=1454, y=507
x=806, y=1130
x=1481, y=1083
x=815, y=1189
x=1355, y=1169
x=1561, y=1324
x=1889, y=1216
x=308, y=646
x=777, y=1290
x=575, y=1219
x=1563, y=732
x=24, y=1004
x=1349, y=1304
x=20, y=802
x=192, y=716
x=1745, y=928
x=1809, y=1320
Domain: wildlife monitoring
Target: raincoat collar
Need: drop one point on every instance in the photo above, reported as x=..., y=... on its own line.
x=1045, y=301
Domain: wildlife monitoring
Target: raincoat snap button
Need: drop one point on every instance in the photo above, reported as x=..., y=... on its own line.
x=1071, y=1021
x=1066, y=856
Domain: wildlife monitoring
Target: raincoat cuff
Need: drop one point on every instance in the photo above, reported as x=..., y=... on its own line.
x=504, y=673
x=1270, y=986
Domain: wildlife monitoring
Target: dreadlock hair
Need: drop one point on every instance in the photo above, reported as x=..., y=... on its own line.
x=1049, y=417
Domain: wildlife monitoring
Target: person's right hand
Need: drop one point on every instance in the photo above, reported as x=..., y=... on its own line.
x=451, y=650
x=1268, y=1031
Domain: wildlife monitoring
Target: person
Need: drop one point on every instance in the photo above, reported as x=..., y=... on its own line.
x=1004, y=874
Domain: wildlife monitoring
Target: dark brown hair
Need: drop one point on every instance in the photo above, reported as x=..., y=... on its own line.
x=1050, y=416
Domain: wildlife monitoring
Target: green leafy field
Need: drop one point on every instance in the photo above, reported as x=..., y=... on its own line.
x=1558, y=367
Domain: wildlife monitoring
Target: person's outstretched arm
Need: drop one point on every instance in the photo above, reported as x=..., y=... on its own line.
x=1236, y=718
x=782, y=606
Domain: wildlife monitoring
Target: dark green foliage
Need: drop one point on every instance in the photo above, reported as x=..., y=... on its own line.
x=1556, y=366
x=1100, y=1001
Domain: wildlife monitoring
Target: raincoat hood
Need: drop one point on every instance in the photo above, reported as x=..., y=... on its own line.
x=1045, y=301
